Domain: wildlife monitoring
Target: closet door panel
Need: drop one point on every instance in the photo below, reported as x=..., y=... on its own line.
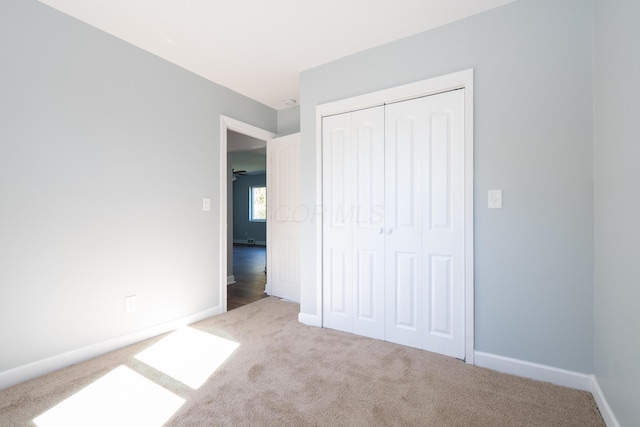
x=405, y=290
x=404, y=145
x=337, y=249
x=368, y=215
x=353, y=245
x=443, y=231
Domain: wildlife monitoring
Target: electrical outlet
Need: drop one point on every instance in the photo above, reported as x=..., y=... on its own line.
x=206, y=204
x=130, y=304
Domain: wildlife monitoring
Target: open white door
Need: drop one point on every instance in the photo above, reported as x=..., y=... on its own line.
x=284, y=215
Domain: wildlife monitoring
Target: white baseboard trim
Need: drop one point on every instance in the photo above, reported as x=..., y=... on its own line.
x=309, y=319
x=534, y=371
x=246, y=242
x=231, y=280
x=605, y=410
x=41, y=367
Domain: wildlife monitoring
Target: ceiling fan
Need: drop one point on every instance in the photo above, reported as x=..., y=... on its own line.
x=236, y=173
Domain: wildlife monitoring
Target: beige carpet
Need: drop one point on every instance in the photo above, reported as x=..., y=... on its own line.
x=287, y=374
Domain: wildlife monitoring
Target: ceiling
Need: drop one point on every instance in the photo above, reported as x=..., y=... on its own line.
x=252, y=162
x=247, y=153
x=257, y=47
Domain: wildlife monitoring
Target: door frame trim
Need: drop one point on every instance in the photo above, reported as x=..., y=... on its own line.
x=226, y=124
x=431, y=86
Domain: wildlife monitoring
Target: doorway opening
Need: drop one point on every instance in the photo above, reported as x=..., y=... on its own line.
x=242, y=148
x=247, y=220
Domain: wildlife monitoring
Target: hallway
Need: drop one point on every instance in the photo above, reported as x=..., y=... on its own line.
x=249, y=271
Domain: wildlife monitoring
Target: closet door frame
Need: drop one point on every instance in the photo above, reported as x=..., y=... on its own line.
x=432, y=86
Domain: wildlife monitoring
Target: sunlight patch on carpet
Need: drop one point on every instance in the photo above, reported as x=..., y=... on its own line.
x=120, y=398
x=188, y=355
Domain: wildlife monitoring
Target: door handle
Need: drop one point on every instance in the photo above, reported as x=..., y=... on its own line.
x=381, y=230
x=389, y=231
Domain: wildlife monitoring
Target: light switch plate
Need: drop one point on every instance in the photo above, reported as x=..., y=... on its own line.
x=206, y=204
x=495, y=199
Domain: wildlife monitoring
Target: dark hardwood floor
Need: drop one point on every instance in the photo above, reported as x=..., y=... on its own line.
x=248, y=269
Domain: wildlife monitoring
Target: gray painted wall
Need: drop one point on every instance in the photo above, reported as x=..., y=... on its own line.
x=289, y=121
x=106, y=152
x=242, y=227
x=617, y=205
x=533, y=139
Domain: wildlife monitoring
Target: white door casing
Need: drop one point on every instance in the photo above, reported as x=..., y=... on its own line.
x=284, y=217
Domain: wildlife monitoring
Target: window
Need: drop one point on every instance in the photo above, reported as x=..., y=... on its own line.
x=258, y=203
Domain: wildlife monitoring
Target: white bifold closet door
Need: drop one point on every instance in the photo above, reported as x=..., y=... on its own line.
x=353, y=222
x=393, y=225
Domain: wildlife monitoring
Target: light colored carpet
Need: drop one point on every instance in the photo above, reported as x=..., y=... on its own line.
x=287, y=374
